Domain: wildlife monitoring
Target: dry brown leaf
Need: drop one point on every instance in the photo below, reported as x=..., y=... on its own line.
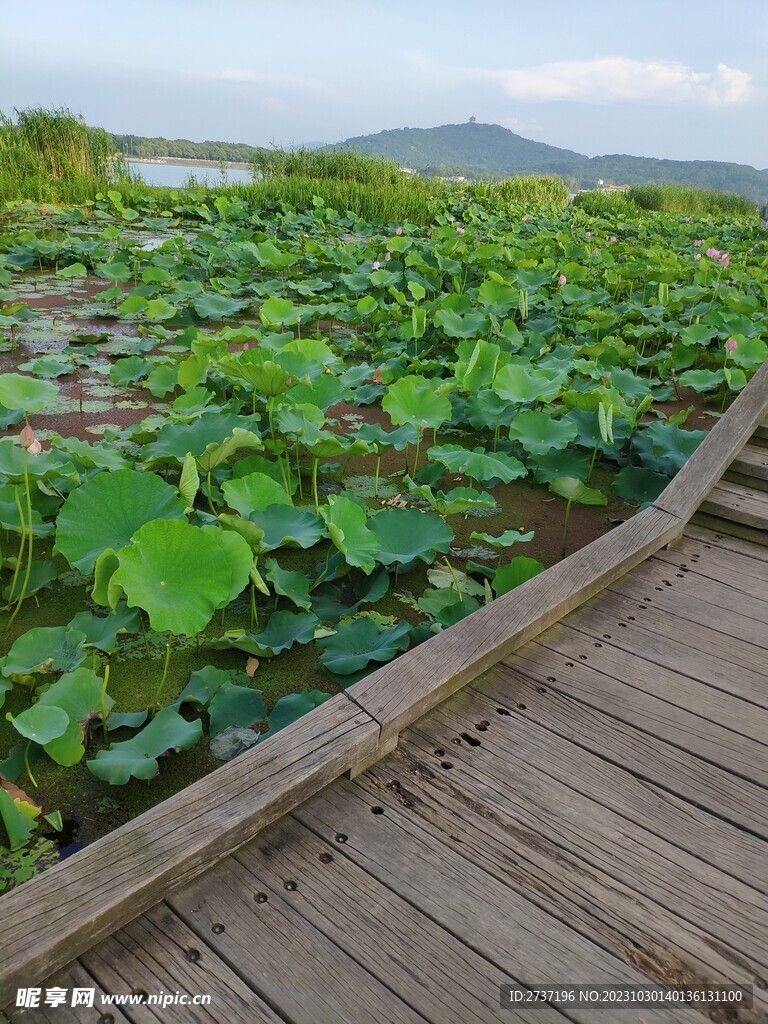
x=15, y=793
x=251, y=666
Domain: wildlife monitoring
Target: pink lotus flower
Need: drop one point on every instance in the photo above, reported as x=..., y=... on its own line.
x=613, y=238
x=388, y=256
x=459, y=231
x=562, y=279
x=35, y=448
x=714, y=254
x=731, y=344
x=696, y=243
x=27, y=436
x=376, y=265
x=398, y=231
x=725, y=259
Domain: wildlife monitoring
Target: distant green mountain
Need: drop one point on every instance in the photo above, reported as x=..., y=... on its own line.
x=490, y=151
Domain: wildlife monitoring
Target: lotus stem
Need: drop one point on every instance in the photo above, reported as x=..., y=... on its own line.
x=144, y=634
x=565, y=528
x=416, y=460
x=30, y=542
x=104, y=728
x=455, y=581
x=592, y=462
x=376, y=476
x=314, y=483
x=22, y=544
x=210, y=499
x=156, y=702
x=298, y=471
x=254, y=609
x=27, y=765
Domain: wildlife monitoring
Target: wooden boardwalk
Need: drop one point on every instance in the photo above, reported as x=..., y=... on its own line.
x=591, y=808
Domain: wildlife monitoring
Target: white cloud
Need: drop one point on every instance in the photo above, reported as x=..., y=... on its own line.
x=607, y=80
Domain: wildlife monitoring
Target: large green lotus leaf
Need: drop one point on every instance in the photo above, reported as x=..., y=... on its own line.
x=107, y=510
x=175, y=440
x=571, y=489
x=27, y=393
x=485, y=467
x=17, y=818
x=227, y=701
x=504, y=540
x=515, y=572
x=447, y=579
x=356, y=643
x=515, y=383
x=215, y=454
x=50, y=465
x=380, y=440
x=264, y=375
x=40, y=724
x=446, y=606
x=414, y=400
x=324, y=391
x=101, y=631
x=702, y=380
x=238, y=554
x=277, y=311
x=212, y=306
x=477, y=365
x=750, y=353
x=137, y=757
x=79, y=695
x=346, y=522
x=333, y=601
x=538, y=432
x=293, y=585
x=470, y=325
x=565, y=462
x=42, y=572
x=303, y=420
x=405, y=534
x=665, y=447
x=328, y=445
x=292, y=707
x=453, y=502
x=93, y=456
x=178, y=574
x=637, y=483
x=103, y=570
x=309, y=357
x=283, y=630
x=45, y=649
x=254, y=493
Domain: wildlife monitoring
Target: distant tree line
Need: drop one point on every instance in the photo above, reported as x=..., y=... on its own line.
x=184, y=149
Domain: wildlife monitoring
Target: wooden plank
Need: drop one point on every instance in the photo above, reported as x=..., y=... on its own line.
x=296, y=967
x=701, y=869
x=702, y=617
x=633, y=706
x=711, y=559
x=728, y=527
x=656, y=652
x=75, y=904
x=505, y=927
x=737, y=503
x=157, y=954
x=505, y=691
x=752, y=461
x=73, y=976
x=744, y=480
x=721, y=585
x=722, y=542
x=508, y=834
x=438, y=974
x=713, y=456
x=398, y=693
x=762, y=431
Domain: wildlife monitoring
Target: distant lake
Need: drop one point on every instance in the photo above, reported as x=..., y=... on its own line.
x=175, y=175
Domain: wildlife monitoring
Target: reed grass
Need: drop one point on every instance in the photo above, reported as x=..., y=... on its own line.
x=530, y=189
x=672, y=198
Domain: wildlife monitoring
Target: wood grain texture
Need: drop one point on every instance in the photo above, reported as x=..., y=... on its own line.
x=728, y=527
x=649, y=758
x=741, y=504
x=73, y=976
x=294, y=965
x=510, y=836
x=714, y=560
x=73, y=905
x=724, y=542
x=445, y=980
x=476, y=901
x=704, y=468
x=158, y=953
x=752, y=461
x=402, y=691
x=644, y=711
x=652, y=842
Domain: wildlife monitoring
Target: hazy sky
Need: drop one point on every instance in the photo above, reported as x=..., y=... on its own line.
x=683, y=79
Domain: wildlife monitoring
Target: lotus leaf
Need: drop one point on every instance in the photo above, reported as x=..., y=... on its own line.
x=254, y=493
x=45, y=649
x=446, y=606
x=215, y=454
x=356, y=643
x=665, y=447
x=331, y=602
x=637, y=483
x=515, y=572
x=177, y=573
x=516, y=383
x=107, y=510
x=293, y=585
x=292, y=707
x=238, y=554
x=571, y=489
x=538, y=432
x=346, y=522
x=101, y=631
x=283, y=630
x=225, y=696
x=453, y=502
x=504, y=540
x=137, y=757
x=27, y=393
x=484, y=467
x=413, y=400
x=407, y=534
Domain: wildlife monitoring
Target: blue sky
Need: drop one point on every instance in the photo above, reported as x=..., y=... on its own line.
x=682, y=79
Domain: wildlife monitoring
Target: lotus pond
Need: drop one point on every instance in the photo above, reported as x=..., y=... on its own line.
x=253, y=454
